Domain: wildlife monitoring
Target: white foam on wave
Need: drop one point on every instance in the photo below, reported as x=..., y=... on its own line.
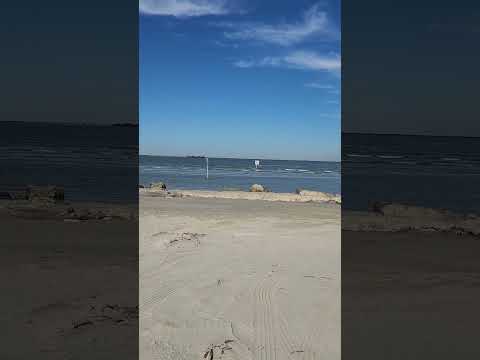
x=390, y=156
x=299, y=170
x=358, y=155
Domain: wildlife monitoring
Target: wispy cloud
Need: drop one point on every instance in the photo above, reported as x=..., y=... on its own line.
x=244, y=64
x=316, y=85
x=267, y=61
x=314, y=22
x=328, y=115
x=312, y=61
x=303, y=60
x=184, y=8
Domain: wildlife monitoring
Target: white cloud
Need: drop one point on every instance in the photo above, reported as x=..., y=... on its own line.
x=314, y=22
x=303, y=60
x=310, y=60
x=183, y=8
x=244, y=64
x=267, y=61
x=328, y=115
x=317, y=85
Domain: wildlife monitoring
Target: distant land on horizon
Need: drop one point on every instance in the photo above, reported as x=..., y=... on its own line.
x=60, y=123
x=136, y=125
x=234, y=158
x=397, y=134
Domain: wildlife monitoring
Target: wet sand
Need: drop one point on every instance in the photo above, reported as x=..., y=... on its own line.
x=239, y=279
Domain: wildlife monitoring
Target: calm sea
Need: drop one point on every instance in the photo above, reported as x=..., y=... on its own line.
x=431, y=171
x=92, y=163
x=101, y=163
x=240, y=174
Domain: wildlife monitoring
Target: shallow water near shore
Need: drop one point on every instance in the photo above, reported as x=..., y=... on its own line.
x=240, y=174
x=427, y=171
x=92, y=163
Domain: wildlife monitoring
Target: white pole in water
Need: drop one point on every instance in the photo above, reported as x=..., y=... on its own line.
x=206, y=159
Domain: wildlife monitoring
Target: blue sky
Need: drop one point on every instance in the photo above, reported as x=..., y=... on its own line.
x=233, y=78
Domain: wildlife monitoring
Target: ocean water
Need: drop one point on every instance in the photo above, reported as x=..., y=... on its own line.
x=92, y=163
x=101, y=163
x=431, y=171
x=240, y=174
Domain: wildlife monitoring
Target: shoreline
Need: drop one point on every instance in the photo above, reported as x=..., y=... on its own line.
x=303, y=196
x=383, y=217
x=69, y=211
x=394, y=217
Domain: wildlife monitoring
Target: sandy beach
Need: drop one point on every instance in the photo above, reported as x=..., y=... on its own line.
x=69, y=285
x=302, y=196
x=238, y=279
x=410, y=283
x=410, y=295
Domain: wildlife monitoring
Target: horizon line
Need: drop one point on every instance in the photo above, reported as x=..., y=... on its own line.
x=237, y=158
x=137, y=124
x=126, y=123
x=398, y=134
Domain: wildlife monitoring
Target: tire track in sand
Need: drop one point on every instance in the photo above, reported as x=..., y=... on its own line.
x=272, y=338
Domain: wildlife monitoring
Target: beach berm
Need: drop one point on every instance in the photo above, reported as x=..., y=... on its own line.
x=303, y=196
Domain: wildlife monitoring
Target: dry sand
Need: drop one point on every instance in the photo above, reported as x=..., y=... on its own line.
x=302, y=196
x=69, y=288
x=410, y=295
x=249, y=279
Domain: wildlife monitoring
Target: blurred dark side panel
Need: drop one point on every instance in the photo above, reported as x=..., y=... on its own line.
x=69, y=180
x=410, y=174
